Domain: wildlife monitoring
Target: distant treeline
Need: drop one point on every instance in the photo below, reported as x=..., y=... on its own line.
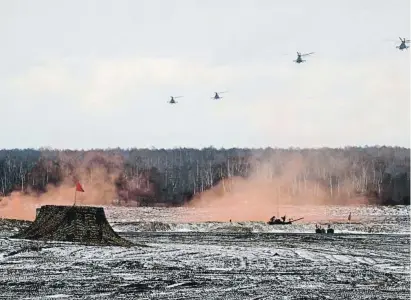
x=173, y=176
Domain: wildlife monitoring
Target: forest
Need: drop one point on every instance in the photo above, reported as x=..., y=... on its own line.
x=148, y=177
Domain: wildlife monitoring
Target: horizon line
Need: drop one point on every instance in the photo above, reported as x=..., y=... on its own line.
x=152, y=148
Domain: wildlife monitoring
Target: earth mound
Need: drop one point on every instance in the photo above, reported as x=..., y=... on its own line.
x=85, y=225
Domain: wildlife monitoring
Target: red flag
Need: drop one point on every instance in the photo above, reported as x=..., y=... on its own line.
x=79, y=188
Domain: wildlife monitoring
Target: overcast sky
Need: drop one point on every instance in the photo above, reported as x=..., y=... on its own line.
x=97, y=74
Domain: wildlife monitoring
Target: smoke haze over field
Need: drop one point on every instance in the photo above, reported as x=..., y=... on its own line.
x=96, y=172
x=237, y=184
x=265, y=194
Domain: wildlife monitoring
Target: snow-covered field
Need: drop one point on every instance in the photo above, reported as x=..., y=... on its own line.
x=366, y=219
x=213, y=260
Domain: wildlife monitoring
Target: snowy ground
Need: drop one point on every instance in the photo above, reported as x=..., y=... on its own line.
x=213, y=260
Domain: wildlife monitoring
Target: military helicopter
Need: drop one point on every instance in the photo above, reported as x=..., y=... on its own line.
x=403, y=44
x=299, y=59
x=217, y=96
x=172, y=101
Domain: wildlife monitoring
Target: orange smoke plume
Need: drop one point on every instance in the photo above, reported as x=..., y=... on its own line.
x=96, y=171
x=264, y=194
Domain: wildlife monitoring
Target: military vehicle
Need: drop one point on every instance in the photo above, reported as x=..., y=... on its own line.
x=281, y=221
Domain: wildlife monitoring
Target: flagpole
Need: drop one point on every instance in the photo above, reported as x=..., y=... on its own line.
x=75, y=194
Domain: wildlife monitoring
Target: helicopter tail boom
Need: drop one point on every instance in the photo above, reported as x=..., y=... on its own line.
x=307, y=54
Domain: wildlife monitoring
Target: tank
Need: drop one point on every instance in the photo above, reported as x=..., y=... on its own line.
x=278, y=222
x=281, y=222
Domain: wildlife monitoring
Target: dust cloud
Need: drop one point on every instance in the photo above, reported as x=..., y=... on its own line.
x=96, y=172
x=266, y=193
x=269, y=191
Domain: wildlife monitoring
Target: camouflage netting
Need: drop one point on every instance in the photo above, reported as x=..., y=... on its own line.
x=81, y=224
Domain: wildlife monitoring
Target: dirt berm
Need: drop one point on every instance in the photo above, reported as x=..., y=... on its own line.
x=85, y=225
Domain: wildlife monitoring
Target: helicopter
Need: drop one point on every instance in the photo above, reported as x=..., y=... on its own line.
x=172, y=101
x=403, y=45
x=217, y=96
x=299, y=55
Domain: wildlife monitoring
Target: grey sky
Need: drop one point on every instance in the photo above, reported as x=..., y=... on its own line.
x=82, y=74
